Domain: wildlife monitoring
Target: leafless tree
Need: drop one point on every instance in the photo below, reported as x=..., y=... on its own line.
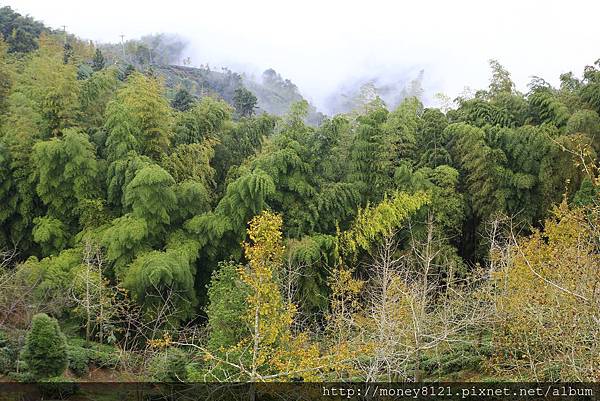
x=414, y=308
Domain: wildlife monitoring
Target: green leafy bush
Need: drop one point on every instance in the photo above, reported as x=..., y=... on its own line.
x=45, y=350
x=8, y=353
x=78, y=360
x=82, y=355
x=169, y=366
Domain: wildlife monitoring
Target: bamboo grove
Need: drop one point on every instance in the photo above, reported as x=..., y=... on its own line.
x=165, y=237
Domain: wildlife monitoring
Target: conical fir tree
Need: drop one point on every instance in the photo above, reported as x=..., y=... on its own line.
x=45, y=350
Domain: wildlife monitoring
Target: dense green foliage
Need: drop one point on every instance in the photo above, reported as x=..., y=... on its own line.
x=45, y=349
x=244, y=101
x=83, y=354
x=126, y=200
x=20, y=32
x=169, y=366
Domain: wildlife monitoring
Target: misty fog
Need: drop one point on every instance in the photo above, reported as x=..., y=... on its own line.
x=331, y=49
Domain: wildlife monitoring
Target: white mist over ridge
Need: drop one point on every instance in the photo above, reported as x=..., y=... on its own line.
x=328, y=47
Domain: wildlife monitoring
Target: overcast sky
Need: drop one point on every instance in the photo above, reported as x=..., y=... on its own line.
x=319, y=44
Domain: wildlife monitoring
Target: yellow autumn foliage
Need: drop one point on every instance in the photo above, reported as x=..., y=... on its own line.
x=548, y=301
x=278, y=352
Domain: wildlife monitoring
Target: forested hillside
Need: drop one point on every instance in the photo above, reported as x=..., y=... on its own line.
x=151, y=233
x=163, y=54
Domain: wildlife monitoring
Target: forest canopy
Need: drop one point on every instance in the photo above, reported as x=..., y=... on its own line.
x=167, y=235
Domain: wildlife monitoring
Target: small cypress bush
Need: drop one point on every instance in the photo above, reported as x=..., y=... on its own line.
x=169, y=366
x=81, y=354
x=45, y=350
x=78, y=360
x=8, y=354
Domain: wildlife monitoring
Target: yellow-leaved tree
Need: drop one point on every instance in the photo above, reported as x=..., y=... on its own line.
x=549, y=303
x=268, y=317
x=260, y=342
